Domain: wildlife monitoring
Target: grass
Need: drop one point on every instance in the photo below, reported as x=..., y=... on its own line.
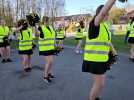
x=70, y=41
x=117, y=40
x=119, y=44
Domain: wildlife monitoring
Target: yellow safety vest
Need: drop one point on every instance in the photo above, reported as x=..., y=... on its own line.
x=60, y=33
x=47, y=43
x=4, y=31
x=97, y=49
x=80, y=34
x=131, y=29
x=25, y=39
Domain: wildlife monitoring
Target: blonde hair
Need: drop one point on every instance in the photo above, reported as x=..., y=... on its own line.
x=45, y=19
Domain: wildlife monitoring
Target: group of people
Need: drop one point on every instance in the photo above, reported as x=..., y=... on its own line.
x=4, y=44
x=46, y=40
x=129, y=38
x=99, y=53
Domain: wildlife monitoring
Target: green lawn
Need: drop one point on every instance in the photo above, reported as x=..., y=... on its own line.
x=119, y=44
x=117, y=40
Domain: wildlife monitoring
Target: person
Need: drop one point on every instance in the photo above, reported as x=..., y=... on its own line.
x=47, y=47
x=130, y=38
x=98, y=46
x=60, y=36
x=79, y=36
x=4, y=42
x=25, y=43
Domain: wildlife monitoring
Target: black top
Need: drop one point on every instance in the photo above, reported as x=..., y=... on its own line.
x=93, y=31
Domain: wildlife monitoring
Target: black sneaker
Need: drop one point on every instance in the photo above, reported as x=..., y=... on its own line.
x=47, y=80
x=3, y=61
x=51, y=75
x=97, y=98
x=27, y=69
x=9, y=60
x=131, y=59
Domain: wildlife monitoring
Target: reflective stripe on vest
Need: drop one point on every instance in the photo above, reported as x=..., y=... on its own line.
x=96, y=52
x=97, y=49
x=25, y=43
x=47, y=39
x=22, y=41
x=98, y=43
x=47, y=43
x=60, y=33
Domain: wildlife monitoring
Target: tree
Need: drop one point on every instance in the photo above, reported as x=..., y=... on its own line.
x=19, y=8
x=115, y=14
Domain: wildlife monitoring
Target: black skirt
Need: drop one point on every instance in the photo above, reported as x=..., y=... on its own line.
x=78, y=38
x=3, y=44
x=26, y=52
x=60, y=38
x=47, y=53
x=131, y=40
x=98, y=68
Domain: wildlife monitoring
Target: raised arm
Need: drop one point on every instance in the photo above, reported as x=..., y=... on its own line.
x=104, y=11
x=17, y=29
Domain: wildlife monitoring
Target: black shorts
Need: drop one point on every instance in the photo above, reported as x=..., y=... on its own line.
x=78, y=38
x=3, y=44
x=26, y=52
x=131, y=40
x=60, y=38
x=98, y=68
x=47, y=53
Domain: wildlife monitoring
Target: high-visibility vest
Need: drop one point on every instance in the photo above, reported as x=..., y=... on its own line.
x=4, y=31
x=97, y=49
x=131, y=29
x=25, y=39
x=79, y=34
x=60, y=33
x=47, y=43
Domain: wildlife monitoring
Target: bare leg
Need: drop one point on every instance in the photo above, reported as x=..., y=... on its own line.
x=47, y=65
x=8, y=52
x=132, y=51
x=51, y=64
x=61, y=43
x=0, y=51
x=3, y=53
x=78, y=46
x=25, y=61
x=97, y=86
x=29, y=61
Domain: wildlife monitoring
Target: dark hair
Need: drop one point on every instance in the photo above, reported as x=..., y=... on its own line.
x=81, y=24
x=132, y=20
x=99, y=9
x=45, y=19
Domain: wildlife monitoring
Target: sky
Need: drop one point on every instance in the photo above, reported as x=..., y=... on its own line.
x=83, y=6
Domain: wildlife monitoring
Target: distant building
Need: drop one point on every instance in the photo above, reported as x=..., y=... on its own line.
x=129, y=13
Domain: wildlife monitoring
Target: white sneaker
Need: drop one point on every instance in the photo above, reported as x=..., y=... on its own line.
x=47, y=80
x=77, y=52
